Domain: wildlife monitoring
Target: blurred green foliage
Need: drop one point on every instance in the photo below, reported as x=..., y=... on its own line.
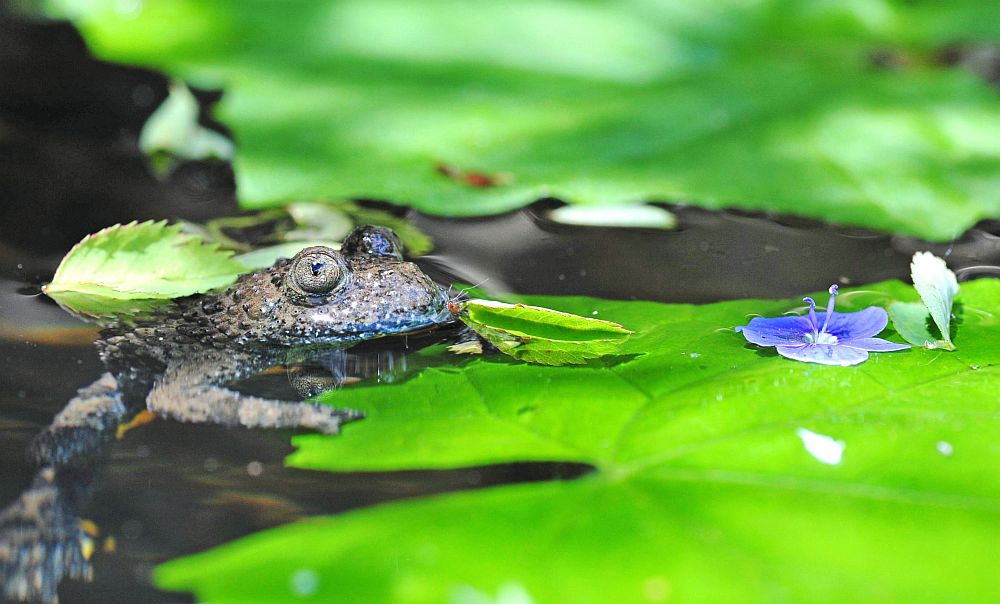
x=842, y=111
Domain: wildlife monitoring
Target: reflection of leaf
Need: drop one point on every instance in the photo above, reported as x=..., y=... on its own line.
x=703, y=490
x=771, y=104
x=937, y=287
x=540, y=335
x=174, y=129
x=132, y=267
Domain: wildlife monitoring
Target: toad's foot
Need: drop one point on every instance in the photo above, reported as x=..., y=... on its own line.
x=41, y=541
x=141, y=419
x=216, y=405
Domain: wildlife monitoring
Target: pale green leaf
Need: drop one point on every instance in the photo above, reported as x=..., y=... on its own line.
x=126, y=268
x=317, y=220
x=541, y=335
x=913, y=323
x=174, y=129
x=635, y=216
x=937, y=287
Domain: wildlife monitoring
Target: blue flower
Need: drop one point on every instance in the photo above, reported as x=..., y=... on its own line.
x=829, y=338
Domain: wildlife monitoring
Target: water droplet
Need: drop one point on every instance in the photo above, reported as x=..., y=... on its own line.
x=944, y=448
x=304, y=582
x=255, y=468
x=211, y=464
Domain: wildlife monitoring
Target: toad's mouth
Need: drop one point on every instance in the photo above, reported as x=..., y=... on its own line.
x=329, y=325
x=351, y=334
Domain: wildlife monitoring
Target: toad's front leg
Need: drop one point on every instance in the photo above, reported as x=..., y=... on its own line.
x=191, y=391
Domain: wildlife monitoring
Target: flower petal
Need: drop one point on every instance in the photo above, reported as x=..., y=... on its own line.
x=854, y=325
x=874, y=344
x=776, y=331
x=825, y=354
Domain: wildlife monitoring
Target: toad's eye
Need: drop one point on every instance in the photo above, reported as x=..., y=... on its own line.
x=317, y=270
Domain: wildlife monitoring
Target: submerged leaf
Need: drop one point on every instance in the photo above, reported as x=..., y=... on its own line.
x=133, y=267
x=937, y=287
x=541, y=335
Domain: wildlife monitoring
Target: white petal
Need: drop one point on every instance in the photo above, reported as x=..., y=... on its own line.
x=824, y=354
x=874, y=345
x=937, y=287
x=824, y=448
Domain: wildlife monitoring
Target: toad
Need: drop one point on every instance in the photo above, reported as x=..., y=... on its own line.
x=177, y=362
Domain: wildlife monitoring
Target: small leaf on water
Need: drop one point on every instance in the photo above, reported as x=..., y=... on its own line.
x=937, y=287
x=472, y=347
x=318, y=220
x=541, y=335
x=173, y=129
x=635, y=216
x=129, y=268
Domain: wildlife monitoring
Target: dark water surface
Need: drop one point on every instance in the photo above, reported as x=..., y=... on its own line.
x=69, y=165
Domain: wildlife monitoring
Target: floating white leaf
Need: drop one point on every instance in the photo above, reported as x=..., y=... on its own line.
x=937, y=287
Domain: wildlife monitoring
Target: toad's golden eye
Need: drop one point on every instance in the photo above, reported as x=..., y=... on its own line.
x=318, y=270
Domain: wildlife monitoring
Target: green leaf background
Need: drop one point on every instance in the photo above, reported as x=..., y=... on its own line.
x=772, y=105
x=701, y=491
